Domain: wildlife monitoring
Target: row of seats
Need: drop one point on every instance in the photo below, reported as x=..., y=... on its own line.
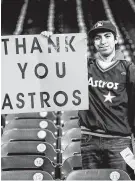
x=45, y=144
x=42, y=124
x=46, y=147
x=89, y=174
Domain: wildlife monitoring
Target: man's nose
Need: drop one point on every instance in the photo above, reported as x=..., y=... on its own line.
x=103, y=40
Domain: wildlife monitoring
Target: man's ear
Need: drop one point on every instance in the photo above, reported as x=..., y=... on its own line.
x=116, y=40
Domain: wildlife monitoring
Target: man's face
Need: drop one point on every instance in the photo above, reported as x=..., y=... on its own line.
x=105, y=43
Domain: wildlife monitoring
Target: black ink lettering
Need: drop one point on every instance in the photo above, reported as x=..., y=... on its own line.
x=56, y=47
x=22, y=69
x=32, y=98
x=7, y=102
x=55, y=98
x=5, y=45
x=44, y=100
x=76, y=97
x=63, y=70
x=69, y=43
x=23, y=45
x=36, y=45
x=46, y=71
x=20, y=100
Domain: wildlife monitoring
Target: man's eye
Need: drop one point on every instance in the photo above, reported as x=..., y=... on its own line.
x=97, y=38
x=107, y=36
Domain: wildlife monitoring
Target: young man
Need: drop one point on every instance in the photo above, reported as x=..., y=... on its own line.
x=106, y=129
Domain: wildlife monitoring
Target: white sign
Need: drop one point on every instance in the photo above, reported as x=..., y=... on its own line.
x=128, y=157
x=40, y=74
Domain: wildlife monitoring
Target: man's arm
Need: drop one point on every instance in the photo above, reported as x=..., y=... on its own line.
x=131, y=78
x=131, y=73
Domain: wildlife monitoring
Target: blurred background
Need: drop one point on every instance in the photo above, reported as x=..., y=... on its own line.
x=70, y=16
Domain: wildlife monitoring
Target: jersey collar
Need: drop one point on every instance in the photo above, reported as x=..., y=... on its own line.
x=118, y=56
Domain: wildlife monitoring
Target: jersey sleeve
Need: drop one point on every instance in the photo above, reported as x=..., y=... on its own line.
x=131, y=73
x=131, y=79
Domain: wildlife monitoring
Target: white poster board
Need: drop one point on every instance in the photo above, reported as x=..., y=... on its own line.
x=40, y=74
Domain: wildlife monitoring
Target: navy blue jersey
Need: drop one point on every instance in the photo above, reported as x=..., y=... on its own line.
x=108, y=97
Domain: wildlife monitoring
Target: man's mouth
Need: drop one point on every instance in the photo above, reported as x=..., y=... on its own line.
x=104, y=47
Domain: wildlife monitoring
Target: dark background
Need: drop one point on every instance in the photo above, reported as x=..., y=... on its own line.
x=34, y=18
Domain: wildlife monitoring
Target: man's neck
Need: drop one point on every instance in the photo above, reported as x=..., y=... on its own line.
x=108, y=58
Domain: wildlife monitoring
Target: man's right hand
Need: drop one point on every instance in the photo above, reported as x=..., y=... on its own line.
x=47, y=34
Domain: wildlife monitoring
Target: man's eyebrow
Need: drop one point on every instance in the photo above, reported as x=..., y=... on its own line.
x=107, y=33
x=97, y=35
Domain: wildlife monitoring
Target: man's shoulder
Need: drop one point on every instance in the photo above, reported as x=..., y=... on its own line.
x=90, y=60
x=126, y=63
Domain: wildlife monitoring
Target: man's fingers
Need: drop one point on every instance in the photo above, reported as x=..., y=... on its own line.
x=46, y=33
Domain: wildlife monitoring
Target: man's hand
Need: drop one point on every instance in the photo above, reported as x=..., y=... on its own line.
x=47, y=34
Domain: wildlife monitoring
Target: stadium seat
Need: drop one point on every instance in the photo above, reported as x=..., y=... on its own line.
x=32, y=124
x=26, y=175
x=72, y=123
x=72, y=149
x=98, y=174
x=3, y=120
x=10, y=117
x=70, y=164
x=67, y=115
x=25, y=162
x=29, y=135
x=29, y=148
x=73, y=134
x=48, y=115
x=2, y=131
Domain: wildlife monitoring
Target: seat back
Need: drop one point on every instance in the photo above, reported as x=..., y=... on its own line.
x=48, y=115
x=32, y=124
x=29, y=135
x=98, y=174
x=71, y=163
x=26, y=162
x=72, y=123
x=29, y=148
x=72, y=149
x=69, y=115
x=25, y=175
x=73, y=134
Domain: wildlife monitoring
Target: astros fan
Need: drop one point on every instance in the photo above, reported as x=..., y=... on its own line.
x=105, y=127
